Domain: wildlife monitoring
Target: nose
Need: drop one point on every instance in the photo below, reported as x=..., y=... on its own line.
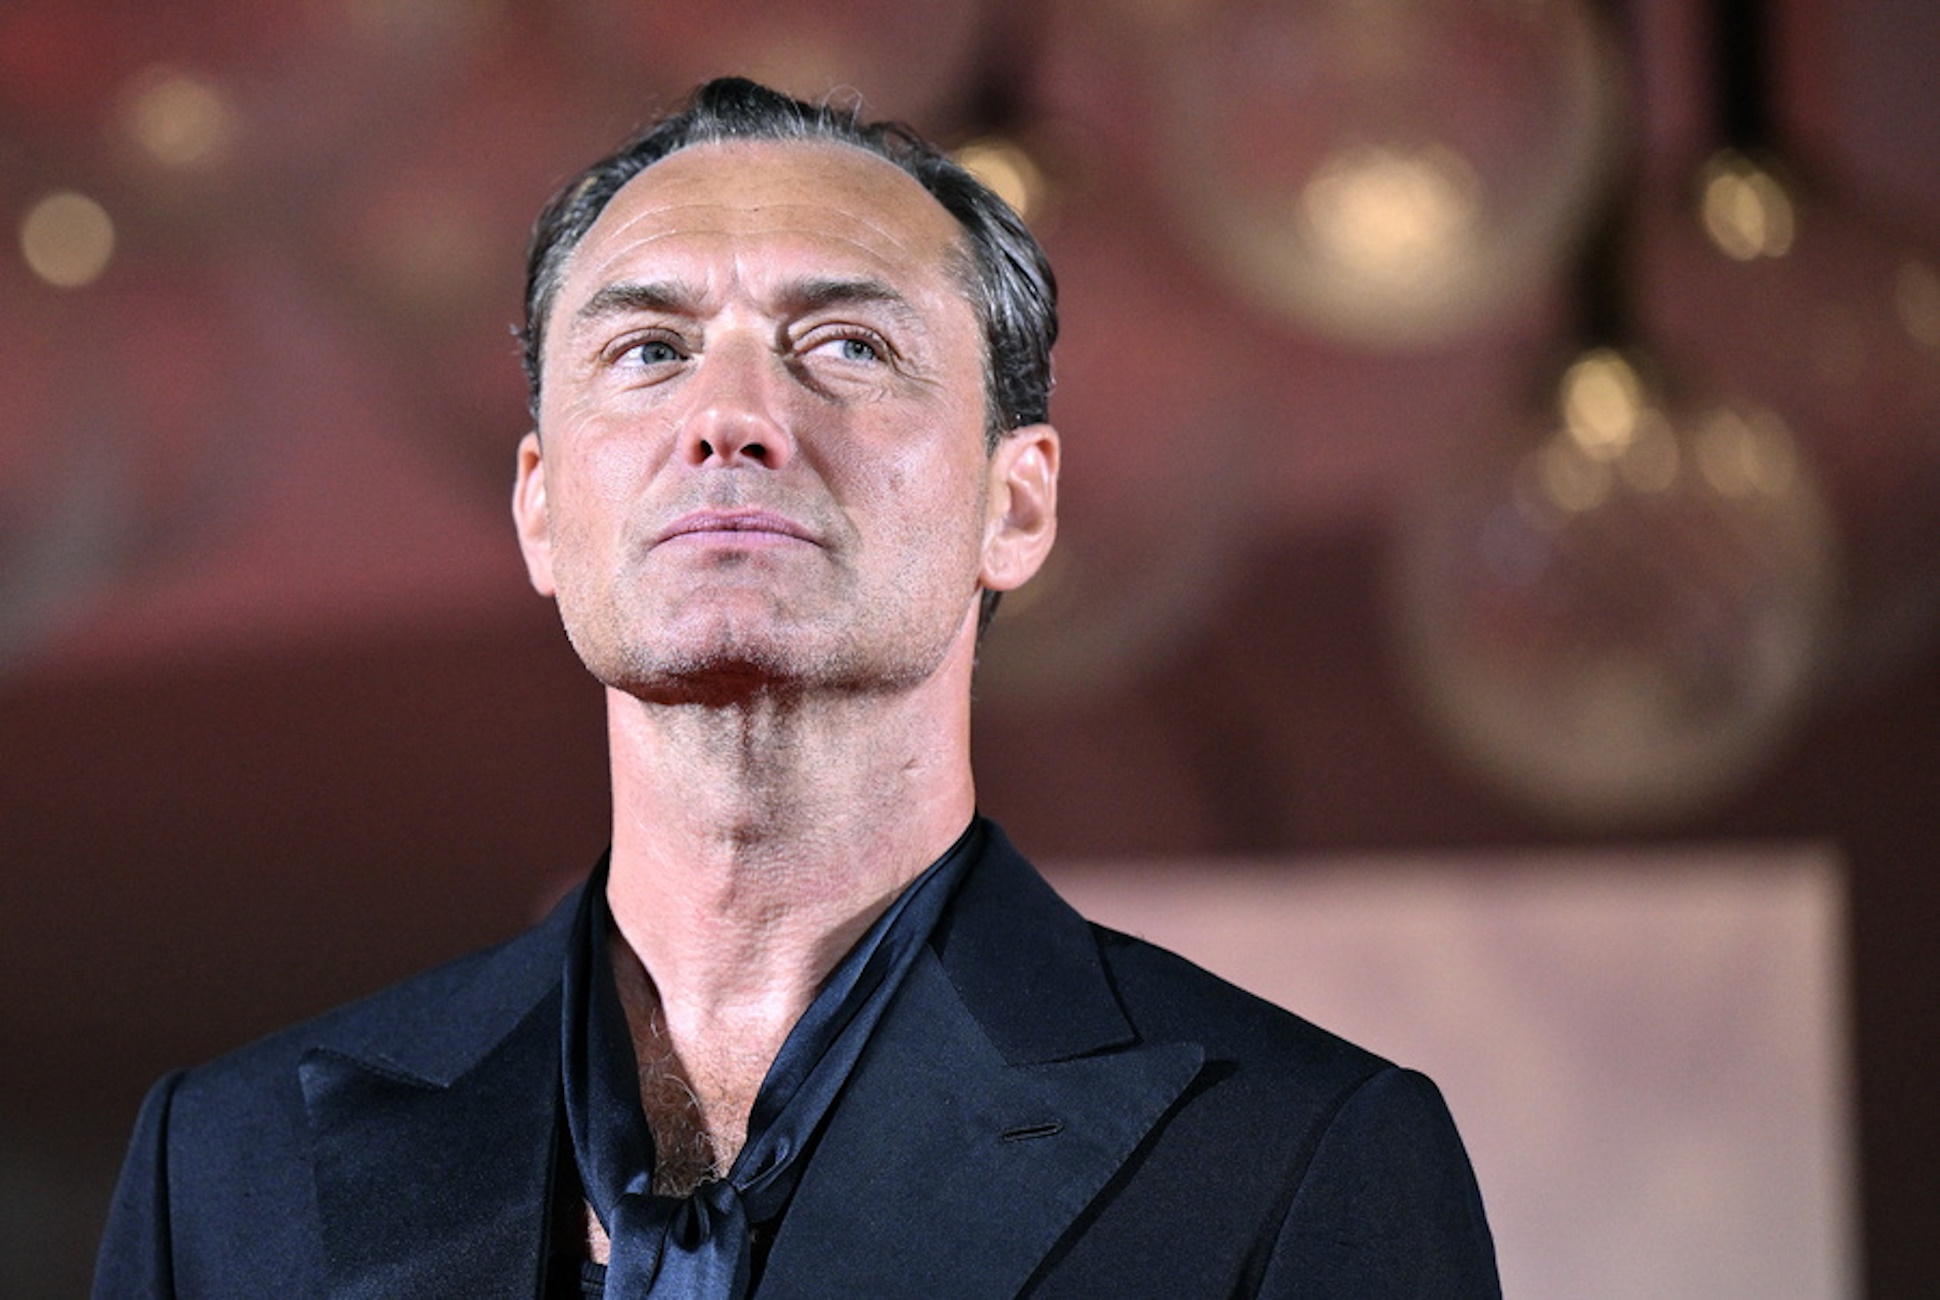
x=737, y=410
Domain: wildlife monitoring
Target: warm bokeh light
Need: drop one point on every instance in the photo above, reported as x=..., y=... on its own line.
x=1747, y=453
x=179, y=120
x=1565, y=478
x=282, y=715
x=1391, y=214
x=1745, y=208
x=1008, y=168
x=1330, y=169
x=67, y=239
x=1617, y=620
x=1602, y=401
x=1841, y=336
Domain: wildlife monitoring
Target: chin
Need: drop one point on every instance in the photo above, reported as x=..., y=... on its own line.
x=719, y=658
x=742, y=673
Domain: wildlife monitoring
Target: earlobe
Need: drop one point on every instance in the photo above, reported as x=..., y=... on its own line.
x=529, y=514
x=1023, y=517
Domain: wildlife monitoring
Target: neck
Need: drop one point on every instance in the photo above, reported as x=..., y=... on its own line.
x=754, y=842
x=755, y=839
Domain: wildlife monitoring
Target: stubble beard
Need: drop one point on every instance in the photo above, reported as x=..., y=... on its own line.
x=727, y=665
x=666, y=640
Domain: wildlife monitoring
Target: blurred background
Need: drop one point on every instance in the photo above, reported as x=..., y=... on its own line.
x=1496, y=430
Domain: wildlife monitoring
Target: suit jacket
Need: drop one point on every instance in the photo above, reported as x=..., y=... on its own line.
x=1047, y=1108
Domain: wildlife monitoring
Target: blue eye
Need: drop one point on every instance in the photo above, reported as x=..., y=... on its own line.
x=856, y=349
x=654, y=352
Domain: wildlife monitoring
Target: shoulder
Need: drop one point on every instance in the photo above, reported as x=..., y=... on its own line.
x=1166, y=996
x=1333, y=1170
x=1274, y=1084
x=218, y=1188
x=1047, y=984
x=1356, y=1112
x=1014, y=927
x=429, y=1024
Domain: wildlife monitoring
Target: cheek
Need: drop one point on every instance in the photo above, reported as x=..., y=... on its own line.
x=591, y=499
x=615, y=471
x=940, y=510
x=595, y=466
x=607, y=457
x=921, y=496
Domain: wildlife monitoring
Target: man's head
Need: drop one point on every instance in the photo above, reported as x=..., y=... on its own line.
x=767, y=457
x=1006, y=274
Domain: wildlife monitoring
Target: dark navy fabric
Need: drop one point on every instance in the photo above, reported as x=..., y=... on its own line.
x=1046, y=1108
x=700, y=1247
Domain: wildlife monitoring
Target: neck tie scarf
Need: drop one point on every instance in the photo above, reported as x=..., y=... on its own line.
x=699, y=1246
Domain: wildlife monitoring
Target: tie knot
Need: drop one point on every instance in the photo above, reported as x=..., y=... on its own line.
x=680, y=1246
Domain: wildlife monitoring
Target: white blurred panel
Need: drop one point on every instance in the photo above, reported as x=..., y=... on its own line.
x=1646, y=1053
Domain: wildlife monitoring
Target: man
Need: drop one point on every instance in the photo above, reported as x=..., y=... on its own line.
x=813, y=1027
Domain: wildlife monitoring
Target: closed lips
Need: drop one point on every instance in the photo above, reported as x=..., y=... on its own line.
x=757, y=522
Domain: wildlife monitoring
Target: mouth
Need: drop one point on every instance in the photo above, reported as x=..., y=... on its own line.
x=735, y=527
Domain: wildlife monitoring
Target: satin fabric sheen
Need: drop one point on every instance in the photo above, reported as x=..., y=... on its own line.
x=701, y=1246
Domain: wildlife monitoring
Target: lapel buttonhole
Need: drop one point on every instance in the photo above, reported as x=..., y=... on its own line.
x=1025, y=1132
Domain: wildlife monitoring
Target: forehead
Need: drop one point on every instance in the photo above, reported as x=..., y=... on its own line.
x=819, y=199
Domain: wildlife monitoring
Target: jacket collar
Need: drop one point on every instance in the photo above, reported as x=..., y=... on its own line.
x=434, y=1117
x=1001, y=1092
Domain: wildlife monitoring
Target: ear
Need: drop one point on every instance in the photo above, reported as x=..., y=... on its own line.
x=529, y=514
x=1022, y=517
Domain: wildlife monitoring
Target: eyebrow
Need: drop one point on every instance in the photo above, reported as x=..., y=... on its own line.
x=798, y=297
x=816, y=293
x=628, y=297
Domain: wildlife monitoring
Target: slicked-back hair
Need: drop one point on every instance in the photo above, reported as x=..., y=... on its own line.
x=1007, y=280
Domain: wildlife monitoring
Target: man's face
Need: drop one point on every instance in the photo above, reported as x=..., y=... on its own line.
x=760, y=457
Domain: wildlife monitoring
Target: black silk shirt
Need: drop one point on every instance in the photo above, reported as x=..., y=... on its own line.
x=606, y=1147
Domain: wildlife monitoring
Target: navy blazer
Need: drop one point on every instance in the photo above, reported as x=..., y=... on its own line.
x=1047, y=1108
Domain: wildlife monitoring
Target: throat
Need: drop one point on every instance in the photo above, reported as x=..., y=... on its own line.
x=697, y=1102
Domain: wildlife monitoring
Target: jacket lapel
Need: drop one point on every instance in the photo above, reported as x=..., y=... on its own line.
x=434, y=1159
x=1001, y=1092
